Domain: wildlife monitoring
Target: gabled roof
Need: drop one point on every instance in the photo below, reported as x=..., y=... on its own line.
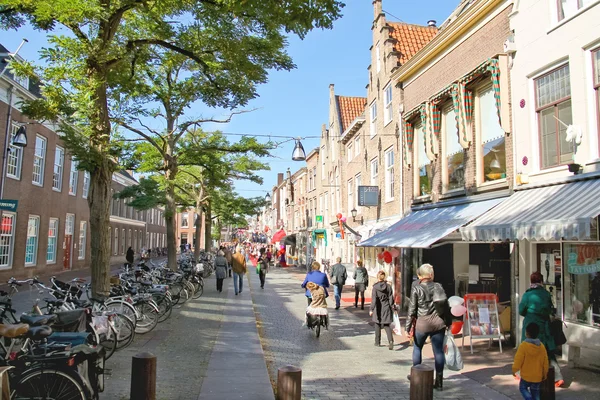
x=410, y=38
x=349, y=108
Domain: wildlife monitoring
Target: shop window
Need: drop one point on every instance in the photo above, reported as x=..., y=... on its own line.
x=454, y=156
x=553, y=107
x=582, y=283
x=491, y=137
x=424, y=172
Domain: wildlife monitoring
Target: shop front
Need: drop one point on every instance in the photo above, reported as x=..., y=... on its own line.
x=555, y=228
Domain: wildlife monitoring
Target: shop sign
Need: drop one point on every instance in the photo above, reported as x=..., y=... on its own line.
x=583, y=259
x=9, y=205
x=338, y=235
x=319, y=218
x=368, y=196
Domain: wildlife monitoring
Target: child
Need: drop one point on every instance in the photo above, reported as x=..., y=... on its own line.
x=318, y=305
x=532, y=362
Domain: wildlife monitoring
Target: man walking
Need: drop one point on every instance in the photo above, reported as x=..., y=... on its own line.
x=239, y=270
x=338, y=279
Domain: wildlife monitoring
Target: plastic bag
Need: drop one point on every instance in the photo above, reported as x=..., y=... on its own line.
x=454, y=360
x=258, y=268
x=396, y=324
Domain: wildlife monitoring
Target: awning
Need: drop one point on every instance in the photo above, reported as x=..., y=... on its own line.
x=545, y=213
x=369, y=230
x=280, y=234
x=422, y=228
x=290, y=240
x=319, y=233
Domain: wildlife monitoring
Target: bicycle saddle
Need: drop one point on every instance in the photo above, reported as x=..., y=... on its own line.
x=13, y=331
x=39, y=332
x=37, y=320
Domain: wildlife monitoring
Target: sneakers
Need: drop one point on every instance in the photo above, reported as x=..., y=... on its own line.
x=355, y=305
x=391, y=345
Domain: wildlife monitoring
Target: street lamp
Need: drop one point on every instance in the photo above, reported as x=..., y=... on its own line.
x=268, y=198
x=298, y=154
x=354, y=213
x=20, y=138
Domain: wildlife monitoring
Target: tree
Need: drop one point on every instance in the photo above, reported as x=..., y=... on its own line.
x=106, y=38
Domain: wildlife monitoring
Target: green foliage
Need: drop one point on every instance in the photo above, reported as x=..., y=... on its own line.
x=149, y=193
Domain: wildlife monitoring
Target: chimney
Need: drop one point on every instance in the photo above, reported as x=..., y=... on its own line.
x=432, y=23
x=279, y=178
x=377, y=9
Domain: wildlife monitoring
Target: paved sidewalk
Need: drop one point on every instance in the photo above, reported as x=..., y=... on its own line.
x=237, y=368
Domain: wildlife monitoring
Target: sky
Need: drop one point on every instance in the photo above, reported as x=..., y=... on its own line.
x=296, y=103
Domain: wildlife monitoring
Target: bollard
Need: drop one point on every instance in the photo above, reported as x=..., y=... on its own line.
x=547, y=388
x=289, y=383
x=421, y=382
x=143, y=377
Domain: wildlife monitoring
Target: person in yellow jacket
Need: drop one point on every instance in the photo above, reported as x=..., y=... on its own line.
x=238, y=264
x=531, y=361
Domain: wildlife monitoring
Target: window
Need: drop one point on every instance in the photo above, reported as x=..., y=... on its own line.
x=82, y=239
x=454, y=156
x=326, y=215
x=22, y=80
x=553, y=106
x=491, y=135
x=349, y=152
x=14, y=156
x=389, y=174
x=350, y=196
x=387, y=103
x=7, y=236
x=57, y=177
x=314, y=178
x=373, y=116
x=357, y=146
x=357, y=184
x=31, y=246
x=116, y=242
x=377, y=57
x=581, y=283
x=73, y=177
x=424, y=171
x=184, y=220
x=322, y=155
x=39, y=160
x=52, y=240
x=596, y=62
x=86, y=184
x=374, y=171
x=567, y=8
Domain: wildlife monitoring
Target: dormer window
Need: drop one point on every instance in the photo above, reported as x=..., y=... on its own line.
x=22, y=80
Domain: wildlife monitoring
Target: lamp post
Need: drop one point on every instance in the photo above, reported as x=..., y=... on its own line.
x=354, y=213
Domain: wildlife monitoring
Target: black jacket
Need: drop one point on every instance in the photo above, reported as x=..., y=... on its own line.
x=339, y=271
x=129, y=256
x=382, y=301
x=427, y=298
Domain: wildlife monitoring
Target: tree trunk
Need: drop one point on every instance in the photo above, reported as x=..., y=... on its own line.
x=208, y=228
x=198, y=226
x=170, y=212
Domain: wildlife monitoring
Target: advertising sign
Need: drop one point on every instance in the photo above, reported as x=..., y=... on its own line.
x=368, y=196
x=583, y=258
x=9, y=205
x=481, y=319
x=319, y=218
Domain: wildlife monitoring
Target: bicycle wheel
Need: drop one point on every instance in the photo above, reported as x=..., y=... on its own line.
x=48, y=384
x=125, y=331
x=175, y=289
x=148, y=318
x=199, y=290
x=165, y=307
x=109, y=341
x=318, y=329
x=122, y=307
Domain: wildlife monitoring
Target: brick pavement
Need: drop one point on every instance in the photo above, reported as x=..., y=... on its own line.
x=343, y=363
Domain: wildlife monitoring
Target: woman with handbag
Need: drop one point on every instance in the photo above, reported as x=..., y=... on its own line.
x=429, y=306
x=536, y=306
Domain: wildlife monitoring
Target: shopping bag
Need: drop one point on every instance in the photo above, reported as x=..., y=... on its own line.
x=258, y=268
x=396, y=324
x=454, y=360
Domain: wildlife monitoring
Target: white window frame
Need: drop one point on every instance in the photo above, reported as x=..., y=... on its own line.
x=58, y=171
x=14, y=156
x=82, y=239
x=389, y=175
x=86, y=185
x=357, y=146
x=578, y=7
x=52, y=237
x=373, y=119
x=21, y=80
x=73, y=177
x=448, y=110
x=388, y=113
x=8, y=237
x=185, y=218
x=33, y=233
x=39, y=161
x=350, y=152
x=374, y=171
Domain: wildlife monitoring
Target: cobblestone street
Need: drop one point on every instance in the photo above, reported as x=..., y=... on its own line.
x=343, y=363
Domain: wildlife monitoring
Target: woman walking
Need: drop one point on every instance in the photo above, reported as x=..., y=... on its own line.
x=382, y=304
x=220, y=269
x=536, y=306
x=361, y=281
x=315, y=276
x=264, y=267
x=429, y=306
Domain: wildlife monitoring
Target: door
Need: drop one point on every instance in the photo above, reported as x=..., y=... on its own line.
x=68, y=243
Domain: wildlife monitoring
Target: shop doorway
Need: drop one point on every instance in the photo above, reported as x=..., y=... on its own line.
x=443, y=266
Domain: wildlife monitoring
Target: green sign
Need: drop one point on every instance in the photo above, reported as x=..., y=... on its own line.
x=9, y=205
x=319, y=218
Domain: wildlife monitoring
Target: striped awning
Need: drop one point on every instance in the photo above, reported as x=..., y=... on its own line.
x=563, y=211
x=422, y=228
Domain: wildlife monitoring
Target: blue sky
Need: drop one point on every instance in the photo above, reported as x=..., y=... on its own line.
x=295, y=103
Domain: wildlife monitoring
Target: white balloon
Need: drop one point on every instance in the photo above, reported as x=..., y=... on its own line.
x=456, y=301
x=458, y=310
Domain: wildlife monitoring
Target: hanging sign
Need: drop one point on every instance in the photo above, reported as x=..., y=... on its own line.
x=368, y=196
x=9, y=205
x=319, y=218
x=481, y=319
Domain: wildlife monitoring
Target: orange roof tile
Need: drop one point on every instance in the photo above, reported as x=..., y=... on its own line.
x=349, y=108
x=410, y=38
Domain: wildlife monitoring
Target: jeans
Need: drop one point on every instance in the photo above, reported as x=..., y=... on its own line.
x=219, y=284
x=529, y=390
x=359, y=288
x=337, y=290
x=388, y=332
x=238, y=278
x=437, y=342
x=262, y=276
